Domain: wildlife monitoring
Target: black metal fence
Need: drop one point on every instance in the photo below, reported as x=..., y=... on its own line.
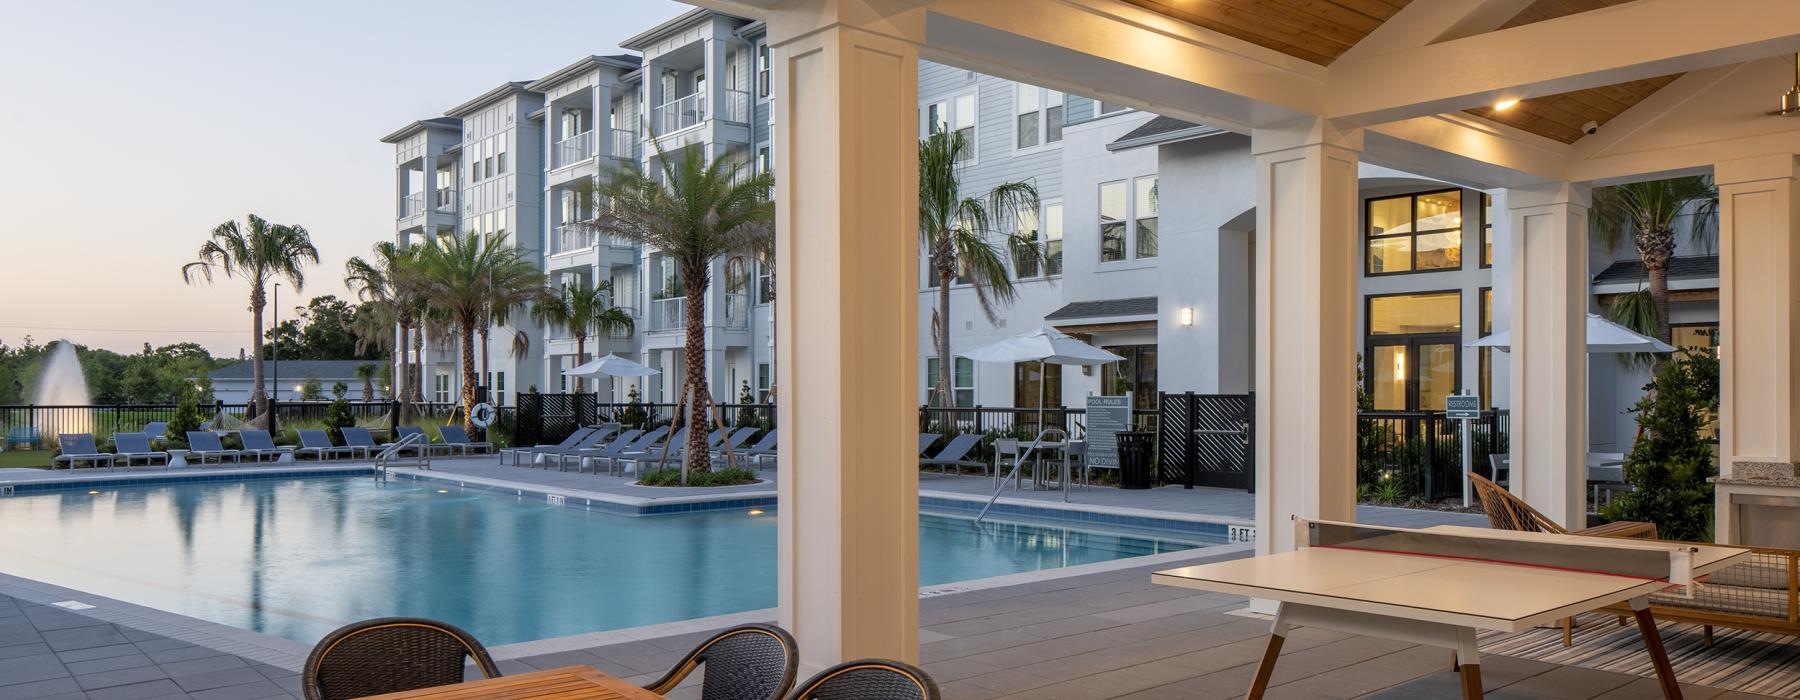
x=1405, y=455
x=38, y=425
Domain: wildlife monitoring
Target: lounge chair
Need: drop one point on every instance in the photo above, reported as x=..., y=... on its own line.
x=318, y=444
x=568, y=443
x=953, y=454
x=135, y=446
x=734, y=444
x=77, y=448
x=458, y=439
x=204, y=445
x=361, y=440
x=157, y=431
x=650, y=450
x=258, y=444
x=763, y=449
x=595, y=451
x=425, y=444
x=636, y=450
x=926, y=440
x=589, y=441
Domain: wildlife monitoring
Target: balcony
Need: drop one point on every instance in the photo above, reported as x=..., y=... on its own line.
x=569, y=238
x=624, y=143
x=574, y=149
x=668, y=314
x=737, y=311
x=737, y=107
x=446, y=200
x=412, y=205
x=680, y=114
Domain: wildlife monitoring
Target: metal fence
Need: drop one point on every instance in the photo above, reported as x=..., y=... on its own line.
x=40, y=424
x=1405, y=455
x=1207, y=440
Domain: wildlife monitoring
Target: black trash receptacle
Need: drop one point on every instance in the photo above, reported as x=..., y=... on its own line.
x=1134, y=459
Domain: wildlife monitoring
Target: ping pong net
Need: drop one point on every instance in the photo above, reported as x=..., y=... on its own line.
x=1650, y=561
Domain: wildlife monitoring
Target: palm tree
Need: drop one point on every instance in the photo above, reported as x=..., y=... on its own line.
x=955, y=231
x=366, y=372
x=257, y=251
x=386, y=281
x=581, y=310
x=500, y=308
x=1650, y=209
x=461, y=276
x=694, y=212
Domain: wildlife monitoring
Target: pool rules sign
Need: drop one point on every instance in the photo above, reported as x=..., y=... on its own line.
x=1107, y=416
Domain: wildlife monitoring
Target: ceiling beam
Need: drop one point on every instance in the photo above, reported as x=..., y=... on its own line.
x=1424, y=23
x=1633, y=41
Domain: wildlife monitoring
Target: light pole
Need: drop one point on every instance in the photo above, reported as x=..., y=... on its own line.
x=275, y=360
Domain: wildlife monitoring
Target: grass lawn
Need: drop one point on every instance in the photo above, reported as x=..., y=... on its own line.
x=12, y=459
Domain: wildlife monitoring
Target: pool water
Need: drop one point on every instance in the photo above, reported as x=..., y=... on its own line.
x=298, y=558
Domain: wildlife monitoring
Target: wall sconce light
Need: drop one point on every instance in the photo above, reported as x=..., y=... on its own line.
x=1187, y=315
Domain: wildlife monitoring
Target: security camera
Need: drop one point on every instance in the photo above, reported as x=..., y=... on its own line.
x=1590, y=127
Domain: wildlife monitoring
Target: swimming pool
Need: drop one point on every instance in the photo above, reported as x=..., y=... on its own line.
x=298, y=557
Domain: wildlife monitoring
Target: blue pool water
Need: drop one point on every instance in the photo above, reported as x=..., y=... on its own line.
x=297, y=558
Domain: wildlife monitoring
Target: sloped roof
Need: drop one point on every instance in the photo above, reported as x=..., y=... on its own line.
x=1105, y=308
x=1687, y=266
x=1161, y=130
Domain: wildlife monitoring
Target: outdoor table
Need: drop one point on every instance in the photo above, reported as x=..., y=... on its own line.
x=177, y=458
x=568, y=683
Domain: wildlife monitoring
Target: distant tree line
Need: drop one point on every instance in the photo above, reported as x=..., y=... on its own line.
x=324, y=329
x=152, y=375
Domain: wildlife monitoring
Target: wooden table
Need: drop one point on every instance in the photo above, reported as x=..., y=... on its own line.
x=568, y=683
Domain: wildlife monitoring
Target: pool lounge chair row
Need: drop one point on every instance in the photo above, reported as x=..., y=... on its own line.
x=205, y=447
x=615, y=448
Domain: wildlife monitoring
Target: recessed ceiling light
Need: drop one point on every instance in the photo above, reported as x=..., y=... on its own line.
x=1504, y=105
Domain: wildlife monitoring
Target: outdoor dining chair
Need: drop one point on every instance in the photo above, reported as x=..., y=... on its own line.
x=135, y=446
x=868, y=679
x=747, y=662
x=390, y=655
x=205, y=444
x=78, y=448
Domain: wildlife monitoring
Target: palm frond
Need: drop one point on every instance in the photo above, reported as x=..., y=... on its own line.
x=1636, y=311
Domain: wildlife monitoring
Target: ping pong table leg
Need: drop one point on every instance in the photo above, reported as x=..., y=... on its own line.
x=1468, y=663
x=1277, y=634
x=1640, y=608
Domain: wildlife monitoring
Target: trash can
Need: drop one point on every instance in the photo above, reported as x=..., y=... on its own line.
x=1134, y=459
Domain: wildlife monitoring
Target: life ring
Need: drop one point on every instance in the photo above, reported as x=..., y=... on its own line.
x=482, y=415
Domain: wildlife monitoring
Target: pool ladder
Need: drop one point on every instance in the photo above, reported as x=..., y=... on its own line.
x=388, y=455
x=1061, y=436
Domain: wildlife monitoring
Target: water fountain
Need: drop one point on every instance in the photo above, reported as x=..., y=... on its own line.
x=62, y=383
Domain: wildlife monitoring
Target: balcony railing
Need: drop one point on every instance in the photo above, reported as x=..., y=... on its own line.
x=680, y=113
x=446, y=200
x=574, y=149
x=737, y=107
x=412, y=205
x=668, y=314
x=737, y=311
x=624, y=143
x=568, y=238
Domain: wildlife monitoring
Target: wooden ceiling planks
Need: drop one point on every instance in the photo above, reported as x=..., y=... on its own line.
x=1312, y=30
x=1552, y=9
x=1560, y=116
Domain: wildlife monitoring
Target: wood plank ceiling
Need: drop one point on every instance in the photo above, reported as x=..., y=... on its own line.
x=1322, y=30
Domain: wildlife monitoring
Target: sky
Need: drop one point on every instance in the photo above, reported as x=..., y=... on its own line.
x=133, y=128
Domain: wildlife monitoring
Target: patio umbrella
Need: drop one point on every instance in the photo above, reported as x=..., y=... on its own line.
x=611, y=366
x=1603, y=336
x=1044, y=346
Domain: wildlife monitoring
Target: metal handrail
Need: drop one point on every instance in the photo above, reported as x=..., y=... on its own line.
x=1019, y=463
x=385, y=459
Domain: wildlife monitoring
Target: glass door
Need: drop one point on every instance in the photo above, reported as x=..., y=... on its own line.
x=1412, y=374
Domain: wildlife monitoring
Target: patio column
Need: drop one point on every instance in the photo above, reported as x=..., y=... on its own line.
x=1306, y=265
x=1548, y=294
x=847, y=346
x=1759, y=265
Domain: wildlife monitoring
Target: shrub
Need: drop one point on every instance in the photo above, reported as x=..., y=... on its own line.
x=338, y=417
x=746, y=414
x=187, y=417
x=311, y=390
x=1670, y=464
x=716, y=477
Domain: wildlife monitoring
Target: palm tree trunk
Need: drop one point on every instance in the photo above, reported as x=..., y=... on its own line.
x=468, y=372
x=486, y=376
x=940, y=331
x=418, y=369
x=1659, y=297
x=257, y=397
x=580, y=357
x=699, y=428
x=403, y=382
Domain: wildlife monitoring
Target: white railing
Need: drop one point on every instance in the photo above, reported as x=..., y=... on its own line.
x=624, y=143
x=737, y=311
x=668, y=314
x=446, y=200
x=680, y=113
x=737, y=107
x=571, y=237
x=574, y=149
x=412, y=205
x=624, y=333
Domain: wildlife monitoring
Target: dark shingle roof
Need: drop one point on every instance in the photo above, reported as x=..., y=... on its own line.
x=1105, y=308
x=297, y=369
x=1688, y=266
x=1161, y=130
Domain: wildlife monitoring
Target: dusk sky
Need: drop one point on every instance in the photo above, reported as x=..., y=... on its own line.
x=134, y=128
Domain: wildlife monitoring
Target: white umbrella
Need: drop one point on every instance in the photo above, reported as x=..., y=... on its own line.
x=1603, y=336
x=612, y=366
x=1043, y=346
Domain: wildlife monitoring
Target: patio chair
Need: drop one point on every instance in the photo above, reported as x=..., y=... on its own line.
x=869, y=679
x=204, y=445
x=135, y=446
x=78, y=448
x=318, y=444
x=598, y=452
x=926, y=440
x=764, y=448
x=158, y=431
x=1006, y=454
x=954, y=453
x=258, y=444
x=390, y=655
x=567, y=443
x=361, y=440
x=458, y=439
x=747, y=662
x=425, y=444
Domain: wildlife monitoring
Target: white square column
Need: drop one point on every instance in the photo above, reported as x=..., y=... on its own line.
x=847, y=255
x=1306, y=262
x=1548, y=302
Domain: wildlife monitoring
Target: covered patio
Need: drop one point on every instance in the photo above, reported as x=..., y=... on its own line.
x=1491, y=94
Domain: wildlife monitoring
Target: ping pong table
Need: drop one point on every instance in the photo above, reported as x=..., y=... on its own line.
x=1438, y=586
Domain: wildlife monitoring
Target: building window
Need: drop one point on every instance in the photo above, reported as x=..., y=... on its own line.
x=762, y=70
x=1026, y=389
x=765, y=283
x=1487, y=230
x=500, y=388
x=763, y=164
x=937, y=118
x=1146, y=216
x=1412, y=360
x=962, y=384
x=962, y=120
x=1029, y=262
x=441, y=388
x=1411, y=314
x=764, y=379
x=1485, y=356
x=1039, y=118
x=1112, y=221
x=1413, y=233
x=1695, y=336
x=1053, y=239
x=1136, y=374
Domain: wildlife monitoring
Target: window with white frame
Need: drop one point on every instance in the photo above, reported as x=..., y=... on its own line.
x=1053, y=239
x=762, y=70
x=441, y=389
x=763, y=163
x=1131, y=202
x=500, y=156
x=764, y=377
x=1039, y=116
x=962, y=382
x=1145, y=216
x=957, y=114
x=1113, y=205
x=1028, y=259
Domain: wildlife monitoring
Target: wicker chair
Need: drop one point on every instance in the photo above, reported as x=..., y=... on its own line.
x=388, y=655
x=868, y=679
x=747, y=662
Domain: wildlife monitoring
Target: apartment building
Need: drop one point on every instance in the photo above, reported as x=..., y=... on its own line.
x=1148, y=223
